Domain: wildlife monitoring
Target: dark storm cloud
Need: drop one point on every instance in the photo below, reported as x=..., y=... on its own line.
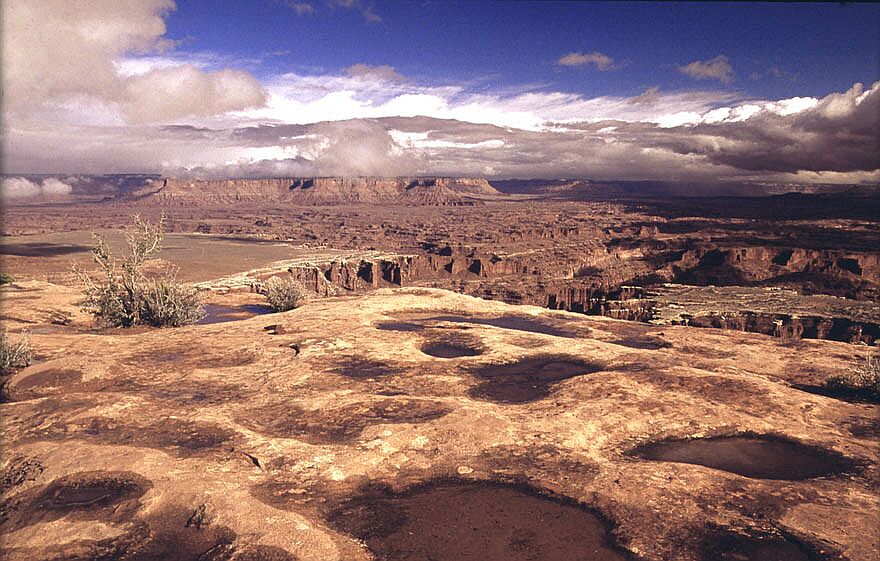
x=841, y=133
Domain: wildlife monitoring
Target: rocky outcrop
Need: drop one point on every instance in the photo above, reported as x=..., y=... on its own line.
x=436, y=191
x=771, y=311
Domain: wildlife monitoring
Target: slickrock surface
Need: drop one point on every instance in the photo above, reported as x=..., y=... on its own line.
x=343, y=433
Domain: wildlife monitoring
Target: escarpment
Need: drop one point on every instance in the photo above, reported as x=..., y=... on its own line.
x=416, y=191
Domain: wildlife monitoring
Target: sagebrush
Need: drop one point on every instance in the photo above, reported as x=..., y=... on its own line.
x=863, y=378
x=283, y=294
x=166, y=302
x=123, y=295
x=14, y=354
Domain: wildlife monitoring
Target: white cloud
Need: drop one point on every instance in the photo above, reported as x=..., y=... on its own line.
x=366, y=10
x=599, y=60
x=301, y=8
x=381, y=72
x=105, y=99
x=717, y=68
x=166, y=94
x=23, y=188
x=59, y=56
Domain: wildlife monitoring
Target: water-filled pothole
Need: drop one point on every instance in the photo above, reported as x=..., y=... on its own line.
x=475, y=521
x=528, y=379
x=755, y=456
x=216, y=313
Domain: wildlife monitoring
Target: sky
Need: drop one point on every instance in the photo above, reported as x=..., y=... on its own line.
x=777, y=92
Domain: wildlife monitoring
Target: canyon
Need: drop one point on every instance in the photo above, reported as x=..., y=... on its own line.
x=596, y=254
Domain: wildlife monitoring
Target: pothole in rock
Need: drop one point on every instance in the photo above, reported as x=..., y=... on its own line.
x=843, y=393
x=644, y=343
x=86, y=496
x=735, y=547
x=528, y=379
x=403, y=326
x=440, y=349
x=216, y=313
x=174, y=533
x=50, y=381
x=453, y=345
x=475, y=521
x=416, y=322
x=180, y=437
x=340, y=424
x=755, y=456
x=357, y=367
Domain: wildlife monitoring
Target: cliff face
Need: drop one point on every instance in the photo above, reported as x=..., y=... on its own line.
x=439, y=191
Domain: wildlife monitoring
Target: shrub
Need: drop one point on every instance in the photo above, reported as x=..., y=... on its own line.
x=283, y=294
x=862, y=379
x=123, y=296
x=165, y=302
x=6, y=278
x=14, y=354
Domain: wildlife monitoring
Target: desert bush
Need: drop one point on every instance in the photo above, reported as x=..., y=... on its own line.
x=14, y=354
x=6, y=278
x=863, y=378
x=283, y=294
x=166, y=302
x=123, y=296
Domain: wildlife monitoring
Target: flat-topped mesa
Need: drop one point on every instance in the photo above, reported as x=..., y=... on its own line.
x=417, y=191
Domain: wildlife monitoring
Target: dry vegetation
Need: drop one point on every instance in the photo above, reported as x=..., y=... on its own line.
x=283, y=294
x=123, y=295
x=14, y=354
x=863, y=378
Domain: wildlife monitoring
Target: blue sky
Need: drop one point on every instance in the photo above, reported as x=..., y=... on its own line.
x=776, y=50
x=695, y=92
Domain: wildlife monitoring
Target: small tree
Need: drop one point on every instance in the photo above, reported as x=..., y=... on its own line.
x=124, y=296
x=283, y=294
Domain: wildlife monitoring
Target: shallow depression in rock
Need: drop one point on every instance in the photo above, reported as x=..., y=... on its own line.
x=475, y=521
x=416, y=322
x=528, y=379
x=733, y=547
x=440, y=349
x=759, y=457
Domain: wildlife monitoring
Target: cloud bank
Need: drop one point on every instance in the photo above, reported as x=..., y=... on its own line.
x=96, y=87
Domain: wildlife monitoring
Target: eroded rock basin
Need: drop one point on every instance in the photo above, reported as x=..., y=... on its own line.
x=732, y=547
x=528, y=379
x=758, y=457
x=475, y=521
x=417, y=322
